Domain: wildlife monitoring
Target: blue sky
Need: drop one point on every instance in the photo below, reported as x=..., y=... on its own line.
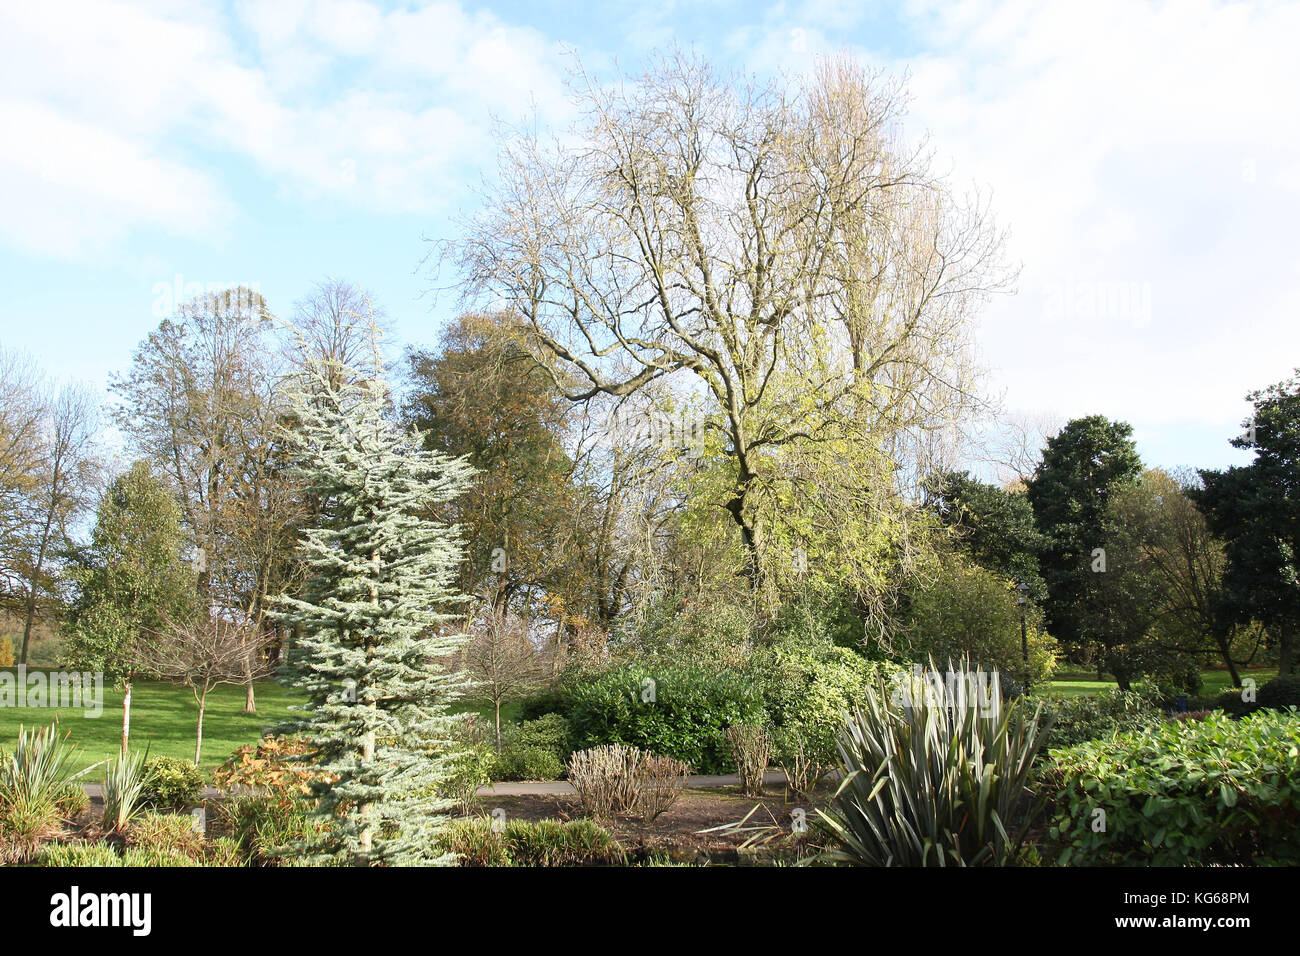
x=1145, y=158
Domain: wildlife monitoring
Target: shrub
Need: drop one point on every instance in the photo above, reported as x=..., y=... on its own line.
x=35, y=793
x=605, y=778
x=150, y=858
x=803, y=767
x=123, y=790
x=520, y=843
x=165, y=833
x=266, y=829
x=669, y=709
x=941, y=782
x=6, y=652
x=171, y=783
x=660, y=781
x=79, y=855
x=807, y=687
x=1076, y=719
x=548, y=732
x=1280, y=693
x=751, y=749
x=528, y=763
x=277, y=766
x=968, y=612
x=1232, y=703
x=1214, y=791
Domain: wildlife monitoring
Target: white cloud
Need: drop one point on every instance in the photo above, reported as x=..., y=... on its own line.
x=140, y=110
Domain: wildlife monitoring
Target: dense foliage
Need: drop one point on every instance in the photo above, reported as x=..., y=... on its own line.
x=1182, y=793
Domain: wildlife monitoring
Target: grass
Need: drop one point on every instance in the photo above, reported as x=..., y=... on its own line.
x=1074, y=684
x=163, y=718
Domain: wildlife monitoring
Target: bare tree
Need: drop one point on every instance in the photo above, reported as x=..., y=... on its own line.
x=205, y=654
x=23, y=405
x=773, y=247
x=68, y=476
x=502, y=660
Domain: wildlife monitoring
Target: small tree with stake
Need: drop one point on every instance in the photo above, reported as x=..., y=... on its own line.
x=203, y=654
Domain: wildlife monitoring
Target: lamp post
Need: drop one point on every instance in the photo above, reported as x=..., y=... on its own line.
x=1022, y=598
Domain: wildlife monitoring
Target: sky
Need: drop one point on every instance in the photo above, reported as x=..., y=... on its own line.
x=1144, y=158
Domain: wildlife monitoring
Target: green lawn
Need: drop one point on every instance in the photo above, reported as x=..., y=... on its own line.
x=162, y=717
x=1069, y=684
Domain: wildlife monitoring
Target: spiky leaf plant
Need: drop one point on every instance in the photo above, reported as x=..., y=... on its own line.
x=937, y=772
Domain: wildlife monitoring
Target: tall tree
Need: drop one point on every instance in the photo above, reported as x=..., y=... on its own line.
x=374, y=619
x=773, y=250
x=202, y=402
x=1070, y=490
x=67, y=476
x=1255, y=509
x=23, y=407
x=132, y=582
x=994, y=526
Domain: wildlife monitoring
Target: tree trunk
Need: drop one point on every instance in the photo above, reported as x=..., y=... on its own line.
x=198, y=734
x=126, y=715
x=1286, y=650
x=497, y=705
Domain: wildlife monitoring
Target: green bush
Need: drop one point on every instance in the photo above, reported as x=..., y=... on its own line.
x=807, y=688
x=165, y=833
x=1078, y=719
x=934, y=780
x=1213, y=791
x=520, y=843
x=674, y=710
x=1232, y=703
x=171, y=783
x=79, y=854
x=1280, y=693
x=549, y=732
x=266, y=830
x=527, y=763
x=35, y=793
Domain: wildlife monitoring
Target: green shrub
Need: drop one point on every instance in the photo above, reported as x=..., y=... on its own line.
x=548, y=732
x=123, y=790
x=1077, y=719
x=266, y=830
x=1213, y=791
x=807, y=688
x=148, y=857
x=171, y=783
x=1232, y=703
x=520, y=843
x=669, y=709
x=1280, y=693
x=165, y=833
x=934, y=781
x=79, y=854
x=223, y=851
x=528, y=763
x=35, y=793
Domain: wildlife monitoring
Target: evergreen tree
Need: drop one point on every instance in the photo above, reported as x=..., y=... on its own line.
x=1255, y=508
x=132, y=581
x=374, y=653
x=1070, y=492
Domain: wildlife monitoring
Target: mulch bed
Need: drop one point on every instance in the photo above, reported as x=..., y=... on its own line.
x=675, y=835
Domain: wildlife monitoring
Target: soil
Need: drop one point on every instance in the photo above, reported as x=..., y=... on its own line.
x=675, y=836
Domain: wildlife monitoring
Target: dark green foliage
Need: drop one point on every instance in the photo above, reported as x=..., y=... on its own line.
x=935, y=781
x=1069, y=494
x=1255, y=510
x=687, y=718
x=1188, y=792
x=534, y=750
x=171, y=783
x=994, y=527
x=527, y=763
x=1280, y=693
x=520, y=843
x=1075, y=720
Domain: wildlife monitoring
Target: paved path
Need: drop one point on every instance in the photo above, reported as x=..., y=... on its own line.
x=557, y=788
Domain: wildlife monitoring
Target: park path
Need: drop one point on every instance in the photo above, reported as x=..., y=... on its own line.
x=527, y=788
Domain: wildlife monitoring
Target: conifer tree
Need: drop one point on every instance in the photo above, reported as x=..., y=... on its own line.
x=374, y=647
